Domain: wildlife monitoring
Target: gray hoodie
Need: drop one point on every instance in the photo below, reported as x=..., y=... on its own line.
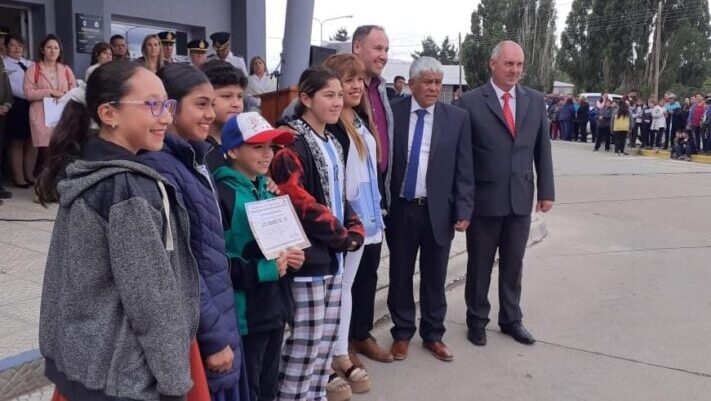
x=120, y=296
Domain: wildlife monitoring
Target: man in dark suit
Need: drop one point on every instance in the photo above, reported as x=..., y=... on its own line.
x=510, y=136
x=431, y=193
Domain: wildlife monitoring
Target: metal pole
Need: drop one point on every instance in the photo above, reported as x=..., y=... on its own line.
x=658, y=49
x=459, y=56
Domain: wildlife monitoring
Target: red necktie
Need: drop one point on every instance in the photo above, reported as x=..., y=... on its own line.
x=508, y=115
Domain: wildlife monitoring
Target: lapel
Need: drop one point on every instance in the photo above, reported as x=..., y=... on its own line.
x=402, y=128
x=493, y=102
x=521, y=108
x=435, y=139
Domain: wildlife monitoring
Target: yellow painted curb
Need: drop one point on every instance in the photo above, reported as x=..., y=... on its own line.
x=664, y=154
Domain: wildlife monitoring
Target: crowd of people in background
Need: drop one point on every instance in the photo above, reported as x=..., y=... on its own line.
x=26, y=83
x=662, y=124
x=154, y=278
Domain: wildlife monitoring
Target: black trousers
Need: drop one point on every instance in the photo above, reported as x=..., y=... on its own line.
x=409, y=230
x=603, y=135
x=620, y=140
x=646, y=137
x=486, y=235
x=363, y=290
x=262, y=352
x=3, y=141
x=582, y=132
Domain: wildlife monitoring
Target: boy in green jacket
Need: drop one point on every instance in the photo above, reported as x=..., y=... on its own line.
x=261, y=297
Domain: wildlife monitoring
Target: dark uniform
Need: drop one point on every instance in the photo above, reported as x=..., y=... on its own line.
x=167, y=40
x=221, y=43
x=197, y=51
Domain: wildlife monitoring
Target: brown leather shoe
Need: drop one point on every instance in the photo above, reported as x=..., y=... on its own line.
x=399, y=350
x=370, y=348
x=439, y=350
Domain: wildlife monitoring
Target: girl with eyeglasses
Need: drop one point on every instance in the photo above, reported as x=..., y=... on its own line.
x=120, y=299
x=182, y=163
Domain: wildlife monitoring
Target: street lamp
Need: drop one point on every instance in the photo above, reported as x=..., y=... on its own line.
x=329, y=19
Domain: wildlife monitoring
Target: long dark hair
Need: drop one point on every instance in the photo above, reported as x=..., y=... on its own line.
x=311, y=81
x=180, y=79
x=51, y=36
x=623, y=110
x=108, y=83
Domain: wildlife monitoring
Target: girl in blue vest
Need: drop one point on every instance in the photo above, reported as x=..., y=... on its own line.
x=182, y=163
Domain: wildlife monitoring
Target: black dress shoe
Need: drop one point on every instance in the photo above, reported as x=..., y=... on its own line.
x=4, y=193
x=519, y=333
x=477, y=337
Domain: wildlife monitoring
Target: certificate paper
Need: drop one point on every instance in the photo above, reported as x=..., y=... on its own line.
x=52, y=111
x=275, y=226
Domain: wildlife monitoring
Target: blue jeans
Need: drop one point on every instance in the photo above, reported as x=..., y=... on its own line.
x=566, y=129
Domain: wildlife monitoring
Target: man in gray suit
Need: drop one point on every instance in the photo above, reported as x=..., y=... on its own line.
x=510, y=136
x=431, y=192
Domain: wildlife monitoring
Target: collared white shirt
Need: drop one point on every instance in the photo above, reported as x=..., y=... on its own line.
x=512, y=101
x=16, y=74
x=238, y=62
x=421, y=186
x=257, y=86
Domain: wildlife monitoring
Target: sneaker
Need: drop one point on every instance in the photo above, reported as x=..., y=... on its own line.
x=4, y=193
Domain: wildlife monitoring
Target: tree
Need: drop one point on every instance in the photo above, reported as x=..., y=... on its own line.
x=531, y=23
x=430, y=48
x=447, y=52
x=606, y=45
x=341, y=35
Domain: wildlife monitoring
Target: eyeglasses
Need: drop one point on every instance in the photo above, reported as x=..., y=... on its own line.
x=158, y=107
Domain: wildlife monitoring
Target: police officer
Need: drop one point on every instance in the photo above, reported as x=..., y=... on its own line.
x=197, y=51
x=167, y=40
x=221, y=43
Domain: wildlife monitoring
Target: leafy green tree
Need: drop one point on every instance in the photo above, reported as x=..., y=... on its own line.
x=606, y=45
x=447, y=52
x=531, y=23
x=430, y=48
x=341, y=35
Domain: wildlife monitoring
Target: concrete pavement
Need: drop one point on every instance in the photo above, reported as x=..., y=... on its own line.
x=25, y=231
x=617, y=296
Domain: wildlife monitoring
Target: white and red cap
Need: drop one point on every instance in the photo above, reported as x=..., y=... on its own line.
x=251, y=128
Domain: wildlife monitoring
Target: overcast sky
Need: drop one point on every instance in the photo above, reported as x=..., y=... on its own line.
x=407, y=22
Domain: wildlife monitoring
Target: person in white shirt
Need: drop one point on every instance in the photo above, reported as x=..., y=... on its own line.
x=221, y=43
x=102, y=53
x=21, y=153
x=260, y=80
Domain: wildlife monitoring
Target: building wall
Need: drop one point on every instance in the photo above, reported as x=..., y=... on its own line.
x=245, y=19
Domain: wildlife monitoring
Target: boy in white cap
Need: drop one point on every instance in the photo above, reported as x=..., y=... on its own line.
x=260, y=294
